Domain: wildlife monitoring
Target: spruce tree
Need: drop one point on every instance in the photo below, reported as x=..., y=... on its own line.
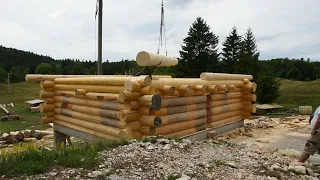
x=231, y=50
x=199, y=52
x=249, y=55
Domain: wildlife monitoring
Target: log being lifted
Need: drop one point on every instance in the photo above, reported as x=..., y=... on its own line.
x=224, y=76
x=111, y=105
x=163, y=130
x=108, y=81
x=187, y=132
x=144, y=58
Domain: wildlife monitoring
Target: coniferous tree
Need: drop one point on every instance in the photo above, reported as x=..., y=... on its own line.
x=231, y=50
x=199, y=52
x=249, y=55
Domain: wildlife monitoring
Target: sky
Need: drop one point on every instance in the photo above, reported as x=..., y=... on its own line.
x=68, y=29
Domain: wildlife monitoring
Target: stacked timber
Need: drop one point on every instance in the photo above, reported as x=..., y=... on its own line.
x=232, y=105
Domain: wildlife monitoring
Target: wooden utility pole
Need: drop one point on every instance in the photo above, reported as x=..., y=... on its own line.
x=100, y=38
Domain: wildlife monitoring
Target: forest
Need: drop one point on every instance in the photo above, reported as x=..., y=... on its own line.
x=199, y=53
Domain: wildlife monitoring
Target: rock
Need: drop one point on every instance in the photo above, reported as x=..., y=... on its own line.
x=187, y=141
x=231, y=164
x=167, y=147
x=182, y=145
x=102, y=166
x=272, y=178
x=184, y=177
x=310, y=172
x=96, y=173
x=298, y=169
x=163, y=141
x=275, y=167
x=151, y=147
x=262, y=140
x=52, y=173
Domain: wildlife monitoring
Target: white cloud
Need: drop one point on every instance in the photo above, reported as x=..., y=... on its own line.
x=66, y=29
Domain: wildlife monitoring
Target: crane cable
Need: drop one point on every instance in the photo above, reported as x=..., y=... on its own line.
x=162, y=31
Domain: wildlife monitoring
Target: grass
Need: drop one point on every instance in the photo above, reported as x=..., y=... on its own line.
x=27, y=159
x=299, y=93
x=20, y=92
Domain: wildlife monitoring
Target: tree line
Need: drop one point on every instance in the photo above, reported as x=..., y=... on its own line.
x=199, y=53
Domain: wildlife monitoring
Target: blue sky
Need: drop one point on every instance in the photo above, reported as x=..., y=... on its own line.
x=66, y=29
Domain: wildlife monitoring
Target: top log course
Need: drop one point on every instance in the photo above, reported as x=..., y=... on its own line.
x=192, y=82
x=151, y=59
x=224, y=76
x=110, y=81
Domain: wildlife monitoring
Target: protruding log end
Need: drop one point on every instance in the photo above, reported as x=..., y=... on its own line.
x=200, y=88
x=157, y=121
x=80, y=92
x=167, y=89
x=156, y=102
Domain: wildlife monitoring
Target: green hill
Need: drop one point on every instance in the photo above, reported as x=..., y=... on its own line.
x=299, y=93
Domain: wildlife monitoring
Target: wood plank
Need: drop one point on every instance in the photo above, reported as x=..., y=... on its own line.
x=4, y=109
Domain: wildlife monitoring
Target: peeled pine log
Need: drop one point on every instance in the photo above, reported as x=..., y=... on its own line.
x=134, y=105
x=80, y=92
x=224, y=76
x=251, y=87
x=128, y=115
x=146, y=111
x=223, y=102
x=226, y=121
x=146, y=130
x=133, y=126
x=183, y=101
x=224, y=115
x=47, y=120
x=151, y=121
x=223, y=109
x=167, y=89
x=184, y=89
x=232, y=95
x=152, y=59
x=152, y=101
x=129, y=96
x=172, y=128
x=246, y=103
x=108, y=81
x=110, y=105
x=200, y=88
x=49, y=114
x=187, y=132
x=90, y=125
x=17, y=134
x=222, y=88
x=89, y=88
x=49, y=100
x=148, y=90
x=46, y=94
x=46, y=84
x=86, y=130
x=231, y=87
x=29, y=139
x=246, y=114
x=179, y=109
x=64, y=93
x=133, y=134
x=251, y=108
x=101, y=96
x=180, y=117
x=250, y=97
x=192, y=82
x=44, y=107
x=132, y=85
x=245, y=81
x=235, y=90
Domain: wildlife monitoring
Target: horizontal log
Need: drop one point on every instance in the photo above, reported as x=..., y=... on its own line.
x=223, y=109
x=49, y=100
x=167, y=89
x=250, y=97
x=111, y=105
x=250, y=108
x=45, y=120
x=183, y=101
x=180, y=117
x=225, y=115
x=89, y=88
x=224, y=76
x=46, y=94
x=179, y=109
x=152, y=101
x=147, y=130
x=212, y=88
x=44, y=107
x=151, y=121
x=231, y=95
x=80, y=92
x=49, y=114
x=90, y=125
x=64, y=93
x=223, y=102
x=226, y=121
x=187, y=132
x=129, y=96
x=101, y=96
x=148, y=90
x=146, y=111
x=108, y=81
x=86, y=130
x=90, y=110
x=152, y=59
x=46, y=84
x=129, y=115
x=43, y=77
x=176, y=127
